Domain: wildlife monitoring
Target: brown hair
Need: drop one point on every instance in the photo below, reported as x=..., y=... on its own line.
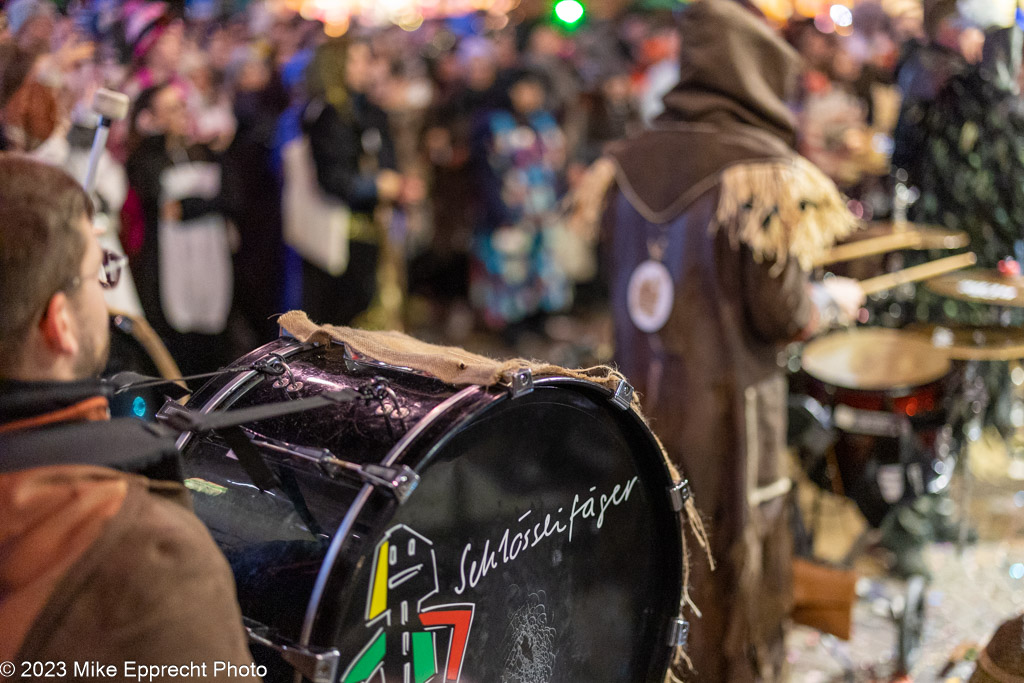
x=41, y=243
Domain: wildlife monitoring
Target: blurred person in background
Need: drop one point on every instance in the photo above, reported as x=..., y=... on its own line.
x=36, y=103
x=963, y=146
x=465, y=92
x=209, y=101
x=354, y=159
x=947, y=49
x=183, y=271
x=519, y=157
x=610, y=113
x=252, y=193
x=155, y=41
x=550, y=53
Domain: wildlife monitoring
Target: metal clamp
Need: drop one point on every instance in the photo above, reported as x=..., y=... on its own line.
x=623, y=396
x=522, y=382
x=175, y=415
x=679, y=633
x=317, y=665
x=679, y=493
x=401, y=480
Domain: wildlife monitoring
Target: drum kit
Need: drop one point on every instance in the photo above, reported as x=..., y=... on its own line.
x=895, y=410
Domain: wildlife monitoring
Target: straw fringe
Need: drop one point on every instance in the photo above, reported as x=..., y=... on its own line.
x=583, y=205
x=782, y=209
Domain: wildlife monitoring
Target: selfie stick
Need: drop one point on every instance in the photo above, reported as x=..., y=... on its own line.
x=111, y=106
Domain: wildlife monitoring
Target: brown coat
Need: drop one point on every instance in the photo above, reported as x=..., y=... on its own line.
x=99, y=565
x=716, y=194
x=710, y=385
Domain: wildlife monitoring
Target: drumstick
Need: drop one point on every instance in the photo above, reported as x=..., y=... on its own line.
x=872, y=246
x=925, y=271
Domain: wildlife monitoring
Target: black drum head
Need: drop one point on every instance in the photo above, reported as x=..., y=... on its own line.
x=538, y=548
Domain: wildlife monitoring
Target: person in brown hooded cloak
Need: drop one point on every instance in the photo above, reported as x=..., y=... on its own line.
x=711, y=229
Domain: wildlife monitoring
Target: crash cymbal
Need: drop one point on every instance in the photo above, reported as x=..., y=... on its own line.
x=874, y=359
x=965, y=342
x=980, y=286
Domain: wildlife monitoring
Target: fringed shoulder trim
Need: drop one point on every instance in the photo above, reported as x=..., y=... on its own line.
x=782, y=210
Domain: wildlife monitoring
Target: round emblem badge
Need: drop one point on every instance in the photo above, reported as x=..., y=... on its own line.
x=650, y=296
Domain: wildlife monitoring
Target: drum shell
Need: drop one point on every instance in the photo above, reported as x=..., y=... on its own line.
x=859, y=458
x=283, y=554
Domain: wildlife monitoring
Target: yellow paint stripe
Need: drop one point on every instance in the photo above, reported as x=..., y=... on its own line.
x=379, y=597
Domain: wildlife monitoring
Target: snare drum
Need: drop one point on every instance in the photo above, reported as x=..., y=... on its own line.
x=890, y=394
x=540, y=543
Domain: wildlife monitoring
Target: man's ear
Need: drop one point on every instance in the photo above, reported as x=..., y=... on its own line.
x=57, y=328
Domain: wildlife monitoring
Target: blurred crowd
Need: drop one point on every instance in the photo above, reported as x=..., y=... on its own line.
x=265, y=165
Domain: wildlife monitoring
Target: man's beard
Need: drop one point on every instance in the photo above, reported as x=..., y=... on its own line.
x=93, y=354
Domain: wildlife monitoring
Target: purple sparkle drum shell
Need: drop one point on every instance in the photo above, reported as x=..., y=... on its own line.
x=540, y=544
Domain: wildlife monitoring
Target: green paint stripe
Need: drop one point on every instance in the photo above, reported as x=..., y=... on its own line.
x=424, y=663
x=373, y=656
x=203, y=486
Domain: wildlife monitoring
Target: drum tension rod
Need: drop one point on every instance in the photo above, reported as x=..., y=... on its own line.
x=400, y=480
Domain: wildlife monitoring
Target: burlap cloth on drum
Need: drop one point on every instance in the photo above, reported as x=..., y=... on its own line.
x=459, y=367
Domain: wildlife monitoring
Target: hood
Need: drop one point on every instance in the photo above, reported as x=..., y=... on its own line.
x=734, y=68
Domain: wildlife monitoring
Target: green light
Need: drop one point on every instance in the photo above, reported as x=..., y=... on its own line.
x=569, y=12
x=139, y=406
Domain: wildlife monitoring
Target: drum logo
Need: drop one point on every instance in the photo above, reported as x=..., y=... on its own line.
x=410, y=634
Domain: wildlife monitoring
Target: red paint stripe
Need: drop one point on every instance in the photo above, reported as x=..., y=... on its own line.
x=460, y=621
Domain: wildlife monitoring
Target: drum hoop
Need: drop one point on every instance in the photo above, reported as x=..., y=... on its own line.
x=287, y=350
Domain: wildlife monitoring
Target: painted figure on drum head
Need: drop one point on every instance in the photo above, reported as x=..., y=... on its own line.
x=409, y=635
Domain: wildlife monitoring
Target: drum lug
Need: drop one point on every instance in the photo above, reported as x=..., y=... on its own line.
x=522, y=383
x=319, y=666
x=679, y=633
x=400, y=481
x=679, y=493
x=623, y=396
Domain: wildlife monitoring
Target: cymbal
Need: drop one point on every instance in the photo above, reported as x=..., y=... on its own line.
x=964, y=342
x=874, y=359
x=884, y=237
x=981, y=286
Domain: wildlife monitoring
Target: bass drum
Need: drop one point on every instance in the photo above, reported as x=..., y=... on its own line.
x=540, y=544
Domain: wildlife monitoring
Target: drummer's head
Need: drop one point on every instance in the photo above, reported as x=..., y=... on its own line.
x=53, y=318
